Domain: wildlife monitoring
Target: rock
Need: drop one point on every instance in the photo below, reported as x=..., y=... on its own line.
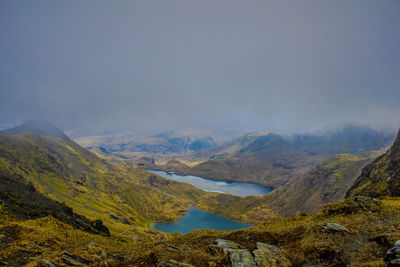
x=241, y=258
x=238, y=255
x=221, y=246
x=392, y=257
x=73, y=260
x=174, y=263
x=335, y=227
x=270, y=255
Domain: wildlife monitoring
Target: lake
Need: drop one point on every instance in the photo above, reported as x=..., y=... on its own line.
x=234, y=188
x=198, y=219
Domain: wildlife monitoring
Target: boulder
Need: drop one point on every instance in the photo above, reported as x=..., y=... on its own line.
x=270, y=255
x=221, y=246
x=392, y=257
x=241, y=258
x=238, y=255
x=335, y=227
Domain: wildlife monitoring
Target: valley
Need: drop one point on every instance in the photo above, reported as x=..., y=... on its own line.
x=205, y=133
x=123, y=215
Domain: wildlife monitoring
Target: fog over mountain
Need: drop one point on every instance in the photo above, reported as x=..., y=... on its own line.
x=229, y=64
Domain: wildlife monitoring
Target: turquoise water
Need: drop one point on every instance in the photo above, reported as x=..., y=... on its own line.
x=234, y=188
x=198, y=219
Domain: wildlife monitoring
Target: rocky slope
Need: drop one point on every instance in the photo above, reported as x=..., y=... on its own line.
x=327, y=182
x=381, y=177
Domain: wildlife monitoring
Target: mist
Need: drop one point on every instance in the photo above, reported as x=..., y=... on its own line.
x=286, y=66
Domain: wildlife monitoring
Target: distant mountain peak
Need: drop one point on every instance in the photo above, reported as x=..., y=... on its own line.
x=39, y=126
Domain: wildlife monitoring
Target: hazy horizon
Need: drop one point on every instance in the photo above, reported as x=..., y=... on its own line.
x=282, y=66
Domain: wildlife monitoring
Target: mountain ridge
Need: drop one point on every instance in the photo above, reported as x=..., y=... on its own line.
x=273, y=160
x=382, y=176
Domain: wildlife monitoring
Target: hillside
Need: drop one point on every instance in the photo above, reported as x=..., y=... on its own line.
x=273, y=160
x=325, y=183
x=54, y=194
x=63, y=171
x=24, y=202
x=381, y=177
x=353, y=232
x=40, y=155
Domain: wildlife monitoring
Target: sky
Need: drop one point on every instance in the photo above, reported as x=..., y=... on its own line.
x=287, y=66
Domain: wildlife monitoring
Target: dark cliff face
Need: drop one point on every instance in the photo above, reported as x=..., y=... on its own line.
x=381, y=177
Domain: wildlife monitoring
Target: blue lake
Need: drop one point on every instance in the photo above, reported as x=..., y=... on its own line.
x=234, y=188
x=198, y=219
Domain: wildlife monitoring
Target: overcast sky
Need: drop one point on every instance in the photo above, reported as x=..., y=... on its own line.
x=275, y=65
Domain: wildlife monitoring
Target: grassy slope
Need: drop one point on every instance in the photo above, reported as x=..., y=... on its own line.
x=327, y=182
x=373, y=228
x=251, y=209
x=120, y=196
x=381, y=177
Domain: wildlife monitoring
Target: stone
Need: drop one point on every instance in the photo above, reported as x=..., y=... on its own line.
x=241, y=258
x=335, y=227
x=238, y=255
x=270, y=255
x=221, y=246
x=392, y=257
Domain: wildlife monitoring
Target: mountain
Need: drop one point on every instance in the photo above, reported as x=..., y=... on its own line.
x=53, y=193
x=381, y=177
x=39, y=154
x=325, y=183
x=42, y=156
x=133, y=146
x=272, y=159
x=37, y=126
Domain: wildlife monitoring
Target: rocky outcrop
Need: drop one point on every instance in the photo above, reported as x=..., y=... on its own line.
x=381, y=177
x=239, y=256
x=270, y=255
x=393, y=255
